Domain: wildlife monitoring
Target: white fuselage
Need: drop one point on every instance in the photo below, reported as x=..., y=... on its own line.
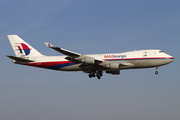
x=129, y=60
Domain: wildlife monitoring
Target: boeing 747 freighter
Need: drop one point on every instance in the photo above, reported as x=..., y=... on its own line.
x=93, y=64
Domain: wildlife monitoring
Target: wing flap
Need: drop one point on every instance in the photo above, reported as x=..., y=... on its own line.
x=72, y=59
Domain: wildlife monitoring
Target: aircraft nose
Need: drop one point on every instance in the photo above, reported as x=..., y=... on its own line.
x=171, y=59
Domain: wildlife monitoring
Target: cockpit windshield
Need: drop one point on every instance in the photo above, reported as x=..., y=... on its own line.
x=160, y=51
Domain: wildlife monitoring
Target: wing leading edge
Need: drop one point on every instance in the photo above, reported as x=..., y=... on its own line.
x=63, y=51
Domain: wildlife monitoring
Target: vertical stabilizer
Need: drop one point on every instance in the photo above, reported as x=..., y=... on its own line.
x=21, y=48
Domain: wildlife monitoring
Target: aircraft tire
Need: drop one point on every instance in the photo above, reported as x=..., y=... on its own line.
x=90, y=75
x=156, y=72
x=98, y=76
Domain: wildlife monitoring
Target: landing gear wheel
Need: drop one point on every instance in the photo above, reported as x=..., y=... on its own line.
x=98, y=76
x=100, y=73
x=90, y=75
x=156, y=72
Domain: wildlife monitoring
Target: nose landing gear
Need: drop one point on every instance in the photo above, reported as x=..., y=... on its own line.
x=156, y=70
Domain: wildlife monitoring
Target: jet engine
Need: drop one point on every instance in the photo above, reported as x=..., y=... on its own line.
x=113, y=65
x=88, y=60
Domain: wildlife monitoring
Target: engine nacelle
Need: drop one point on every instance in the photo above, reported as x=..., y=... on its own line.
x=113, y=65
x=116, y=72
x=88, y=60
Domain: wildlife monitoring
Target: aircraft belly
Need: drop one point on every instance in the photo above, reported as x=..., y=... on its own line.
x=148, y=63
x=71, y=68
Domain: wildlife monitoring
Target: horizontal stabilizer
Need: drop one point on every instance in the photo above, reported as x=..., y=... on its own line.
x=18, y=59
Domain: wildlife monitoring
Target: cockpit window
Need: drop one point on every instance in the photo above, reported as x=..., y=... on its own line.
x=160, y=51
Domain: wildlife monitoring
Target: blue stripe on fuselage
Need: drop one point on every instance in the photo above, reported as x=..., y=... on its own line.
x=58, y=66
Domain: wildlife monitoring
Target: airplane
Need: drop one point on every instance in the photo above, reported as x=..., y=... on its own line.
x=93, y=64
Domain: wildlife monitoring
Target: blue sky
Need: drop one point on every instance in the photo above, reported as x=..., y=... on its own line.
x=89, y=27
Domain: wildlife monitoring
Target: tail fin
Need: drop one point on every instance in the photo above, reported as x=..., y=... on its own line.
x=21, y=48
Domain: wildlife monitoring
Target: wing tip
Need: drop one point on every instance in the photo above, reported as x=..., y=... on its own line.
x=48, y=44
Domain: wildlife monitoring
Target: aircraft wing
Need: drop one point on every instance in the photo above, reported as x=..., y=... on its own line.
x=72, y=56
x=63, y=51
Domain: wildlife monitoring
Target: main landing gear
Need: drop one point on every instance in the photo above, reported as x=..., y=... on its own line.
x=156, y=70
x=98, y=75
